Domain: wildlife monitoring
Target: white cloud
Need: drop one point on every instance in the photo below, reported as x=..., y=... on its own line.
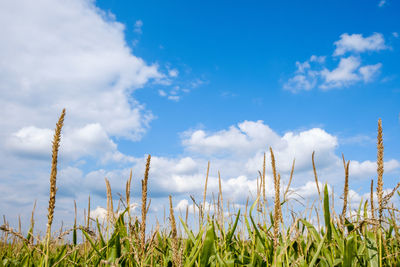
x=395, y=34
x=249, y=139
x=174, y=98
x=307, y=190
x=31, y=141
x=138, y=26
x=182, y=206
x=382, y=3
x=368, y=168
x=90, y=140
x=177, y=91
x=348, y=72
x=162, y=93
x=116, y=157
x=300, y=82
x=369, y=71
x=306, y=75
x=173, y=73
x=239, y=188
x=69, y=54
x=197, y=82
x=301, y=145
x=302, y=66
x=99, y=213
x=344, y=75
x=238, y=153
x=318, y=59
x=246, y=137
x=185, y=166
x=357, y=43
x=313, y=72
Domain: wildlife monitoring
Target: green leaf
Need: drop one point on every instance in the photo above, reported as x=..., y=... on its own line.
x=232, y=231
x=316, y=255
x=371, y=250
x=91, y=242
x=195, y=251
x=312, y=230
x=29, y=235
x=349, y=251
x=327, y=214
x=61, y=253
x=221, y=262
x=207, y=250
x=115, y=244
x=102, y=242
x=257, y=231
x=188, y=232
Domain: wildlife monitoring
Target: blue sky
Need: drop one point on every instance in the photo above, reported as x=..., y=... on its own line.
x=190, y=82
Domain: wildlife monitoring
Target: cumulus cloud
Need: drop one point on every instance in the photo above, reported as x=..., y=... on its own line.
x=69, y=54
x=314, y=73
x=348, y=72
x=309, y=189
x=182, y=205
x=249, y=139
x=345, y=74
x=240, y=148
x=99, y=213
x=358, y=43
x=242, y=156
x=243, y=138
x=31, y=141
x=368, y=168
x=90, y=140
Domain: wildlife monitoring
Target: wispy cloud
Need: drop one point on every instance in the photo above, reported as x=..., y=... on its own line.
x=177, y=89
x=173, y=73
x=307, y=74
x=138, y=26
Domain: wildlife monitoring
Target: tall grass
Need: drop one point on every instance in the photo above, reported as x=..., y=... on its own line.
x=256, y=237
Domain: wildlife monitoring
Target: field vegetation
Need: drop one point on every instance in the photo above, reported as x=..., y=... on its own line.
x=254, y=236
